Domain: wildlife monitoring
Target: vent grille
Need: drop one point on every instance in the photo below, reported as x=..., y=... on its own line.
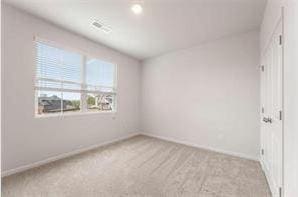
x=106, y=29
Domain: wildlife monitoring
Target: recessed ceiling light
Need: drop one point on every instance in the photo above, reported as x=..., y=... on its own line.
x=106, y=29
x=137, y=8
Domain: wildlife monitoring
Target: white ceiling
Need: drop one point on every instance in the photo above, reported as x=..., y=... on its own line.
x=164, y=25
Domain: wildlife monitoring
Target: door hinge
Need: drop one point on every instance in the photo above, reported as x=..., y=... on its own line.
x=280, y=115
x=280, y=39
x=280, y=192
x=263, y=110
x=262, y=151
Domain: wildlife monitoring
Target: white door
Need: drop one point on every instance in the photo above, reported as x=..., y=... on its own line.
x=271, y=101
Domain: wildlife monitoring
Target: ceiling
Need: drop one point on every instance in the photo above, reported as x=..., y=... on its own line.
x=164, y=25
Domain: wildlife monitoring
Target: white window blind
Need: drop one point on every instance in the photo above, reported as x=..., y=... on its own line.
x=71, y=82
x=58, y=69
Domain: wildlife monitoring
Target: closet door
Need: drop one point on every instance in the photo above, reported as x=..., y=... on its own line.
x=265, y=100
x=271, y=129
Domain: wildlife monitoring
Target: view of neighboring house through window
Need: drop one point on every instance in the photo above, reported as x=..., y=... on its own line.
x=71, y=82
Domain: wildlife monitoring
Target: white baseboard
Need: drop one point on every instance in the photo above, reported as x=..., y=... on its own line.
x=64, y=155
x=202, y=147
x=84, y=149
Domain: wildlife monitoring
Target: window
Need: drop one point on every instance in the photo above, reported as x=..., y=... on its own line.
x=71, y=82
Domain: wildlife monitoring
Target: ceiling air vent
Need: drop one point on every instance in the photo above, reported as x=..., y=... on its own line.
x=106, y=29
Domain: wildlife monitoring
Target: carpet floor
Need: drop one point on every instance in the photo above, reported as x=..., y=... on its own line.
x=142, y=166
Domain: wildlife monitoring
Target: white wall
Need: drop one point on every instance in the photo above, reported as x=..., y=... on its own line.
x=291, y=98
x=0, y=92
x=273, y=12
x=26, y=139
x=207, y=95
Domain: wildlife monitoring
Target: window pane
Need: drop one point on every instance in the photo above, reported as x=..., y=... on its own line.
x=72, y=64
x=71, y=102
x=48, y=84
x=99, y=74
x=71, y=86
x=100, y=102
x=58, y=64
x=66, y=83
x=49, y=102
x=48, y=62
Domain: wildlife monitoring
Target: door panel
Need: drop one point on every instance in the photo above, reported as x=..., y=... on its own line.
x=271, y=100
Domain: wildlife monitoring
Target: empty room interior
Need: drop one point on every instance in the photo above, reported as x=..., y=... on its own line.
x=153, y=98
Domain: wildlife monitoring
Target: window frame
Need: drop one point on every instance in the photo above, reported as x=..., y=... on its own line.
x=85, y=56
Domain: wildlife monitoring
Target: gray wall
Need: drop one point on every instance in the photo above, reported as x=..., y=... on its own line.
x=206, y=95
x=26, y=139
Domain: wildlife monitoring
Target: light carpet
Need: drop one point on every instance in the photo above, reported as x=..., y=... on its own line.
x=142, y=166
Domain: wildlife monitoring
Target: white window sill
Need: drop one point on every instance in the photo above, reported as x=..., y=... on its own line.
x=74, y=114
